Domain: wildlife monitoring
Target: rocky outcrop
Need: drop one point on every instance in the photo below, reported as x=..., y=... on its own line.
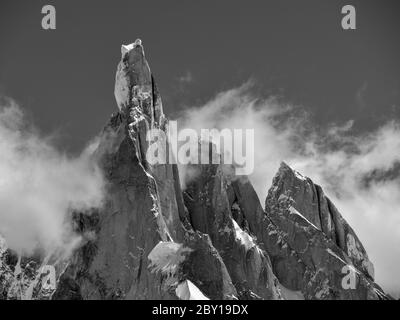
x=213, y=240
x=304, y=258
x=144, y=206
x=27, y=277
x=212, y=213
x=308, y=199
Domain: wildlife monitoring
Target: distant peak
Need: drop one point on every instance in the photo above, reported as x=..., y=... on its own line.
x=285, y=171
x=284, y=165
x=284, y=168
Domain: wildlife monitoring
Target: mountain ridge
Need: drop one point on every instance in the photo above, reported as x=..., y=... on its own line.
x=212, y=240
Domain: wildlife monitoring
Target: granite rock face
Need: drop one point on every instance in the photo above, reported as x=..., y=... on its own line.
x=211, y=212
x=309, y=198
x=213, y=240
x=304, y=258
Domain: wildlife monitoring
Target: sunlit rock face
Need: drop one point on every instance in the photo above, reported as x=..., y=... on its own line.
x=309, y=199
x=212, y=240
x=306, y=233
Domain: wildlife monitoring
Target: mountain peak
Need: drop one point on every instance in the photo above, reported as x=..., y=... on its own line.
x=135, y=90
x=309, y=201
x=125, y=48
x=151, y=240
x=286, y=172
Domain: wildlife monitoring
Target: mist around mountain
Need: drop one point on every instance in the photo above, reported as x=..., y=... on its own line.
x=118, y=227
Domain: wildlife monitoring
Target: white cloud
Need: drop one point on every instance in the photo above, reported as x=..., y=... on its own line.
x=340, y=162
x=39, y=186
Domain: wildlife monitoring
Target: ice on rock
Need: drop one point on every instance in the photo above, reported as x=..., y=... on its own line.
x=186, y=290
x=167, y=256
x=128, y=47
x=299, y=176
x=335, y=255
x=245, y=239
x=293, y=210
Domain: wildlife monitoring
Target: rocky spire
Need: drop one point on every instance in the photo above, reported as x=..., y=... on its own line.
x=135, y=89
x=309, y=200
x=151, y=240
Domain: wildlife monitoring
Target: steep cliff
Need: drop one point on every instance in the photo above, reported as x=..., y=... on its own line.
x=214, y=240
x=304, y=258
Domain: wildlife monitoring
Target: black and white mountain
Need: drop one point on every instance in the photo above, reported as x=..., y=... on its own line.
x=213, y=240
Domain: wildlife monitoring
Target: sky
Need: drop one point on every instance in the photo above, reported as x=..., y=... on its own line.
x=296, y=50
x=201, y=53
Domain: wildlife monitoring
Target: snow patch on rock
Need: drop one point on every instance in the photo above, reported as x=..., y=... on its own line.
x=125, y=48
x=293, y=210
x=245, y=239
x=166, y=257
x=299, y=176
x=335, y=255
x=186, y=290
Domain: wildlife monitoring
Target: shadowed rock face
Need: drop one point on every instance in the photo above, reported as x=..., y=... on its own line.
x=144, y=205
x=211, y=212
x=308, y=199
x=304, y=258
x=150, y=237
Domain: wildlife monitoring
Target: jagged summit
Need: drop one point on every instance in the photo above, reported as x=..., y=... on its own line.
x=309, y=200
x=285, y=169
x=135, y=45
x=213, y=240
x=135, y=89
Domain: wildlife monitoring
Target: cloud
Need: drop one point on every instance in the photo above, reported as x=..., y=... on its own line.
x=239, y=109
x=358, y=172
x=40, y=186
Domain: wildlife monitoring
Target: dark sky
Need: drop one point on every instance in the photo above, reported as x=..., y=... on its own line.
x=64, y=78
